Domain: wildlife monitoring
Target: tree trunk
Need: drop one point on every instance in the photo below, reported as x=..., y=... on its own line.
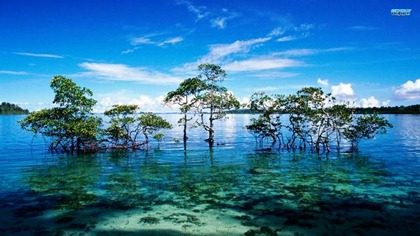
x=211, y=131
x=185, y=132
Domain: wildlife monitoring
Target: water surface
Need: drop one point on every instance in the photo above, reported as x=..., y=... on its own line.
x=231, y=190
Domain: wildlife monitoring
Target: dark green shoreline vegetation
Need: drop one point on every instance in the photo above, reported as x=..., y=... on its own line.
x=12, y=109
x=412, y=109
x=315, y=120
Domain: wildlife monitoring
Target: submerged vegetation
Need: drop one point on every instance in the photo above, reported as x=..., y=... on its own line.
x=315, y=119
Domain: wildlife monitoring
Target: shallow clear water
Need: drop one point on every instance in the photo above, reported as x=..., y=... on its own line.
x=232, y=190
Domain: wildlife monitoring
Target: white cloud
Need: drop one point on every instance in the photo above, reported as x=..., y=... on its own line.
x=8, y=72
x=342, y=91
x=386, y=103
x=286, y=38
x=323, y=82
x=38, y=55
x=147, y=39
x=255, y=64
x=273, y=74
x=130, y=50
x=277, y=32
x=121, y=72
x=265, y=89
x=309, y=51
x=142, y=40
x=200, y=11
x=304, y=29
x=372, y=102
x=362, y=28
x=296, y=52
x=218, y=53
x=146, y=103
x=219, y=22
x=409, y=90
x=172, y=41
x=369, y=102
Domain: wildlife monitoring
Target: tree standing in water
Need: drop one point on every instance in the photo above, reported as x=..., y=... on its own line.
x=70, y=124
x=214, y=99
x=186, y=97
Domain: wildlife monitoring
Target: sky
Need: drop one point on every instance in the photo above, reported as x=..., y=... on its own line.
x=135, y=52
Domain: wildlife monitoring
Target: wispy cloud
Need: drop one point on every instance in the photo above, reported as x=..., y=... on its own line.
x=310, y=51
x=219, y=52
x=199, y=12
x=148, y=40
x=273, y=74
x=38, y=55
x=256, y=64
x=277, y=32
x=8, y=72
x=292, y=32
x=121, y=72
x=171, y=41
x=286, y=38
x=363, y=28
x=221, y=21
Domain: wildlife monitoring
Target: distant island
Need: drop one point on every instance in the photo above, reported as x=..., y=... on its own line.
x=12, y=109
x=412, y=109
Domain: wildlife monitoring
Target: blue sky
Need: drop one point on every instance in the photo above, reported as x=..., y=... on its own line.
x=136, y=51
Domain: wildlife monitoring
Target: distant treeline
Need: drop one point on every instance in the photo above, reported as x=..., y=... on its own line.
x=413, y=109
x=11, y=109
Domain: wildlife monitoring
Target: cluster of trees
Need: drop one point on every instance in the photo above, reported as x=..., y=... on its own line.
x=203, y=96
x=11, y=109
x=73, y=127
x=314, y=119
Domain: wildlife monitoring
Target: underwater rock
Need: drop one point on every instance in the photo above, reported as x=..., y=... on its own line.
x=257, y=170
x=64, y=220
x=264, y=230
x=183, y=218
x=243, y=217
x=149, y=220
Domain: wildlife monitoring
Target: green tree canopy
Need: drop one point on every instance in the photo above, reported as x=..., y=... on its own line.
x=214, y=99
x=186, y=97
x=70, y=124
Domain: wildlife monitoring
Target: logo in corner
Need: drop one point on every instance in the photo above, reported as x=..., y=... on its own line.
x=400, y=12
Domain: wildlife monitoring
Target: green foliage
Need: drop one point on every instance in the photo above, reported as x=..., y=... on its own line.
x=366, y=126
x=70, y=124
x=268, y=124
x=214, y=99
x=314, y=119
x=123, y=129
x=11, y=109
x=185, y=96
x=126, y=125
x=151, y=123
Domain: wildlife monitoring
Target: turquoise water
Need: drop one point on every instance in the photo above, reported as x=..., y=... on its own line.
x=232, y=190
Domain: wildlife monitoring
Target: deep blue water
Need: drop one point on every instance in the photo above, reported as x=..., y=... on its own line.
x=232, y=190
